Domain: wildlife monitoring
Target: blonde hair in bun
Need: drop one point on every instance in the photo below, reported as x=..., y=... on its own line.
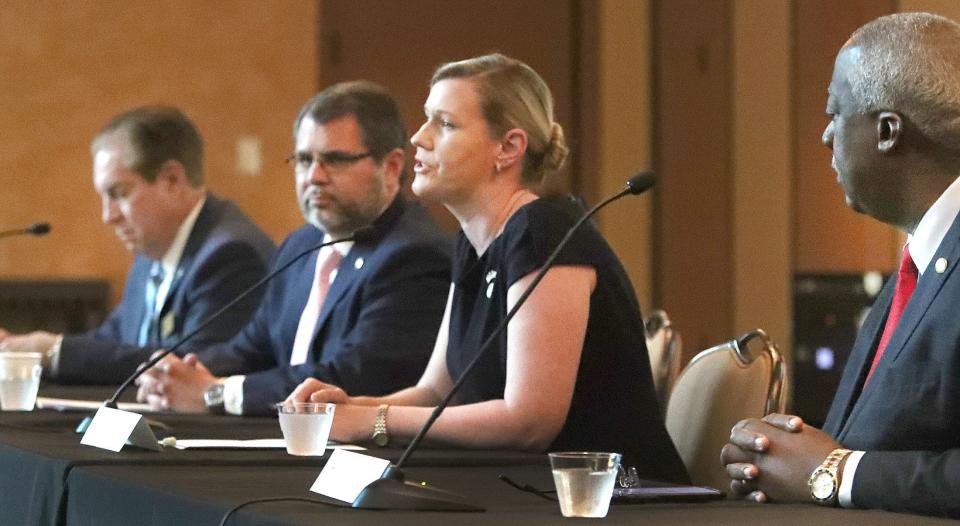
x=513, y=95
x=557, y=150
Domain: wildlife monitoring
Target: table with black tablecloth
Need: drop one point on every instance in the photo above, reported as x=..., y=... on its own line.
x=48, y=477
x=183, y=495
x=40, y=449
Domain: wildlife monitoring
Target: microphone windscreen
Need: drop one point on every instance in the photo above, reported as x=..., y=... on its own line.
x=641, y=182
x=39, y=229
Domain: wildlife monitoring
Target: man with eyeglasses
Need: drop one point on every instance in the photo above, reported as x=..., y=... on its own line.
x=361, y=314
x=194, y=251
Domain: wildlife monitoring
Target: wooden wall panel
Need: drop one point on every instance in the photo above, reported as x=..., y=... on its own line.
x=238, y=67
x=762, y=169
x=692, y=151
x=402, y=45
x=622, y=124
x=829, y=237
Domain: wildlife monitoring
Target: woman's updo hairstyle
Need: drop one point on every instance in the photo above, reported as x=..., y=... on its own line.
x=512, y=95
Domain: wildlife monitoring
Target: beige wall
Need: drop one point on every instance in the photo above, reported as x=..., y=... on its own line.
x=762, y=171
x=239, y=68
x=624, y=128
x=829, y=236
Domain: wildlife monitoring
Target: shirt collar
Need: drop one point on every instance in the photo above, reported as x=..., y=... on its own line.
x=343, y=248
x=171, y=259
x=933, y=226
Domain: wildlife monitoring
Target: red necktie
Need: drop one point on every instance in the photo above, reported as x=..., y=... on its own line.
x=906, y=282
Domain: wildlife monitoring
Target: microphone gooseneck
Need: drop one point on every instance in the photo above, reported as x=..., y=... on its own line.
x=36, y=229
x=391, y=491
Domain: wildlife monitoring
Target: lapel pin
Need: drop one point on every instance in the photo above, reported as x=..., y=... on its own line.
x=166, y=325
x=492, y=275
x=358, y=263
x=941, y=265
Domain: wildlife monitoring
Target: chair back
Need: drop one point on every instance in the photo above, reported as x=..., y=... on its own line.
x=664, y=348
x=719, y=387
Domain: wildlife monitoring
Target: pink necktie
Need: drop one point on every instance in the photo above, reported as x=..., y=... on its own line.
x=327, y=261
x=906, y=283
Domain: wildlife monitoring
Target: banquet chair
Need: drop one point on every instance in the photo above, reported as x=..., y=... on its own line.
x=719, y=387
x=664, y=347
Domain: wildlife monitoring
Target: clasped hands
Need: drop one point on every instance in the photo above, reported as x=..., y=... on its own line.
x=175, y=384
x=771, y=459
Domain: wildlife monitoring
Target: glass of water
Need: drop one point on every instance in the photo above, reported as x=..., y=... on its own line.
x=19, y=380
x=306, y=426
x=584, y=481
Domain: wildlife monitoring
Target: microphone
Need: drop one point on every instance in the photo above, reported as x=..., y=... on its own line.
x=390, y=491
x=360, y=235
x=36, y=229
x=640, y=182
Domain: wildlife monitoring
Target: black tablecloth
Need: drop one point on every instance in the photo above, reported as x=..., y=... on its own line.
x=48, y=477
x=108, y=495
x=39, y=450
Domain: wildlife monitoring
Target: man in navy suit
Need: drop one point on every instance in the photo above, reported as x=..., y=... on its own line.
x=362, y=314
x=194, y=251
x=892, y=436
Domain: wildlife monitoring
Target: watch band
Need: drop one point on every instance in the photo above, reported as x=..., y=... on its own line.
x=380, y=436
x=213, y=399
x=824, y=482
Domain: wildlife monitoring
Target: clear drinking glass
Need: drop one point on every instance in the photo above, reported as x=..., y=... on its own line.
x=584, y=481
x=306, y=426
x=19, y=380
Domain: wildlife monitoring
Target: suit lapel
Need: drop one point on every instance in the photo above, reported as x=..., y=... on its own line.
x=348, y=272
x=354, y=263
x=928, y=288
x=205, y=221
x=859, y=361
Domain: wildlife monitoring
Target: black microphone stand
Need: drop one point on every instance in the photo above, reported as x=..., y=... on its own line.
x=143, y=367
x=391, y=491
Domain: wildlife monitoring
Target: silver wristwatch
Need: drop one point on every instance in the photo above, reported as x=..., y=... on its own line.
x=213, y=398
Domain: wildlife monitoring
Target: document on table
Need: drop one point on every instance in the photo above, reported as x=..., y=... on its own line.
x=260, y=443
x=66, y=404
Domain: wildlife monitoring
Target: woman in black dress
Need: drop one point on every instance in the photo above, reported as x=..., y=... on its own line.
x=571, y=372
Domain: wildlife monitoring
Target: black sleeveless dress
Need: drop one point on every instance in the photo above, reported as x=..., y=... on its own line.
x=614, y=407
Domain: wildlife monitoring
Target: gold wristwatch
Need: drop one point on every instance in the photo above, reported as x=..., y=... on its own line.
x=380, y=436
x=824, y=482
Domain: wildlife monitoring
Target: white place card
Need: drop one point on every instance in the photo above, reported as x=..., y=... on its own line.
x=112, y=428
x=347, y=473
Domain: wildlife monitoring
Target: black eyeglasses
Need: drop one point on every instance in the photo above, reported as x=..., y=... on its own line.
x=333, y=160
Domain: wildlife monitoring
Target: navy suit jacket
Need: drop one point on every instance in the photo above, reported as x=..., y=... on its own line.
x=908, y=416
x=376, y=328
x=224, y=254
